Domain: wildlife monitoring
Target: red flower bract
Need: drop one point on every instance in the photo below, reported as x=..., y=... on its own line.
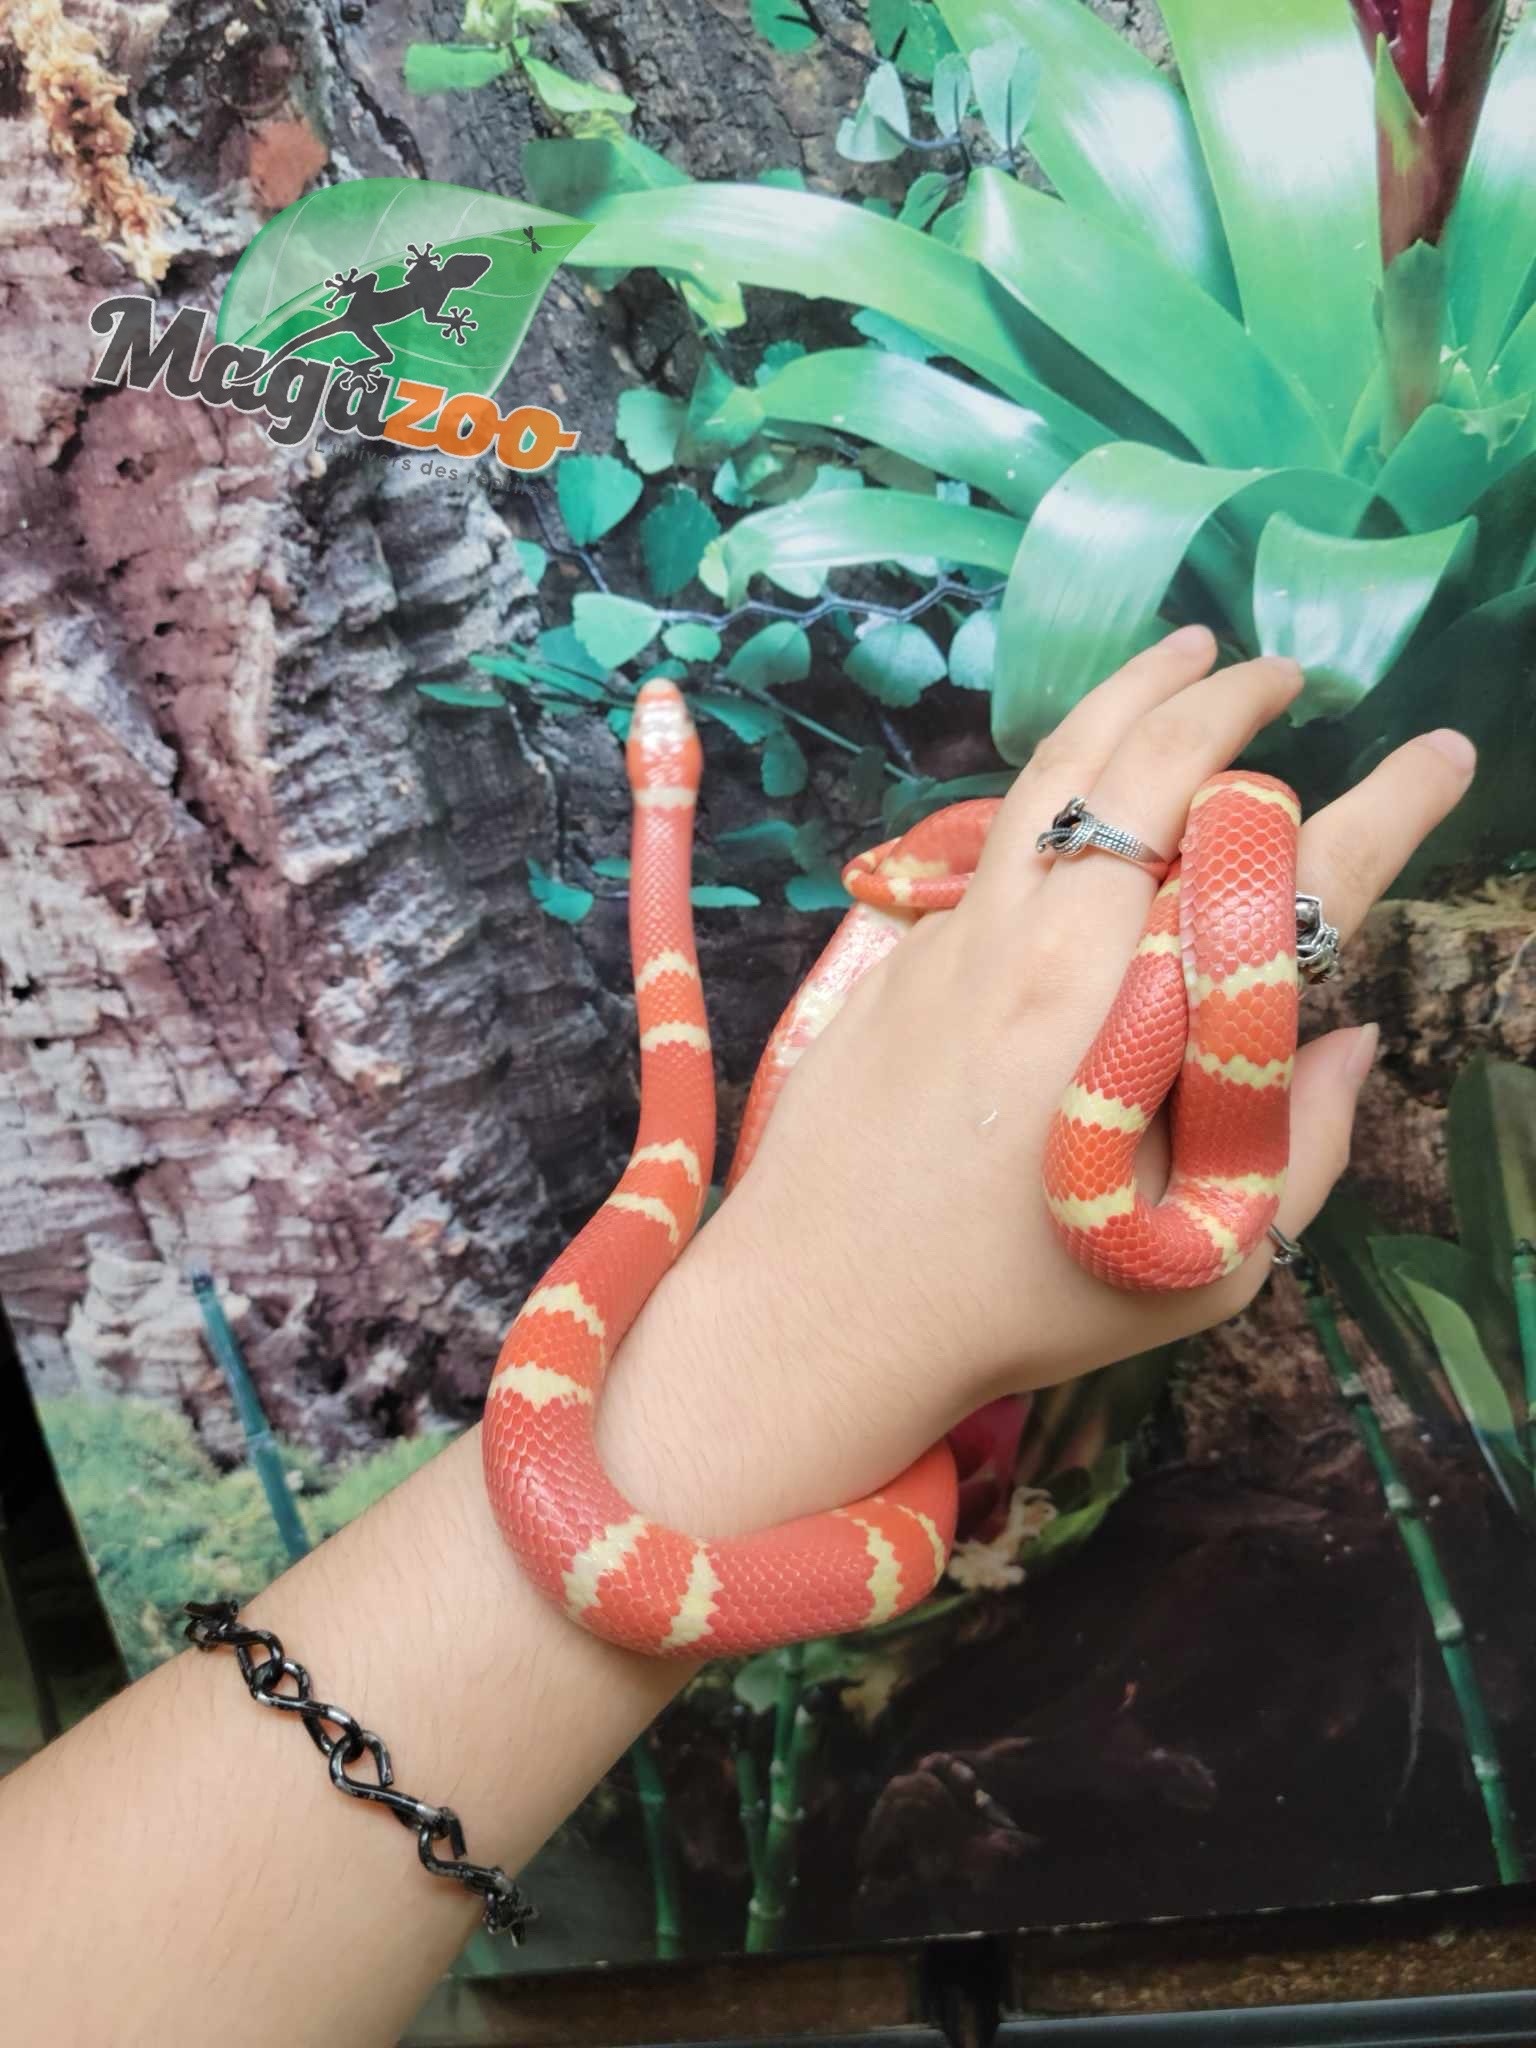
x=986, y=1448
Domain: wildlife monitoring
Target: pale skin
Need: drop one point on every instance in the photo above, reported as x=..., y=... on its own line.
x=179, y=1866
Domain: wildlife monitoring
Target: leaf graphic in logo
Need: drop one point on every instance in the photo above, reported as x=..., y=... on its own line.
x=364, y=273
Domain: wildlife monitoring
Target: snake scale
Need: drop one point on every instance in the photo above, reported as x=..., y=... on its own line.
x=1208, y=1002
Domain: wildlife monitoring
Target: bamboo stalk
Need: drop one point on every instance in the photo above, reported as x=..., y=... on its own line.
x=796, y=1729
x=658, y=1848
x=1445, y=1618
x=749, y=1792
x=1525, y=1322
x=266, y=1458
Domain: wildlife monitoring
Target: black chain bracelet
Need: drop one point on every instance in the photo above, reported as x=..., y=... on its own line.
x=214, y=1625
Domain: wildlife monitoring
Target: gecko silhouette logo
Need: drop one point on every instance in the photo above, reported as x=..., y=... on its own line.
x=391, y=308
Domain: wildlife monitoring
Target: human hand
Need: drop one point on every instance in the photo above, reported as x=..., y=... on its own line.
x=887, y=1264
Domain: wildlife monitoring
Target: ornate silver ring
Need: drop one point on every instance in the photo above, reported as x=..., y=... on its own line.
x=1075, y=830
x=1317, y=941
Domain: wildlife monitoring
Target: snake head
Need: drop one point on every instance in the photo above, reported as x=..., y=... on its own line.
x=663, y=751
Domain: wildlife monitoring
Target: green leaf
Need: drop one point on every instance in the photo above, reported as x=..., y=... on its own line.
x=452, y=67
x=880, y=129
x=784, y=23
x=1147, y=331
x=1112, y=133
x=562, y=900
x=908, y=803
x=751, y=722
x=614, y=629
x=1488, y=241
x=560, y=647
x=823, y=248
x=721, y=413
x=595, y=492
x=911, y=34
x=1493, y=648
x=812, y=847
x=785, y=770
x=838, y=527
x=925, y=195
x=1514, y=373
x=1346, y=609
x=722, y=896
x=463, y=698
x=673, y=537
x=895, y=662
x=1439, y=1284
x=780, y=653
x=1491, y=1162
x=951, y=94
x=1449, y=457
x=619, y=723
x=573, y=175
x=1282, y=99
x=534, y=560
x=1096, y=562
x=778, y=355
x=894, y=335
x=822, y=890
x=973, y=652
x=280, y=288
x=563, y=94
x=927, y=415
x=788, y=176
x=1340, y=1238
x=1108, y=1480
x=1006, y=76
x=768, y=837
x=691, y=642
x=648, y=424
x=1412, y=336
x=614, y=870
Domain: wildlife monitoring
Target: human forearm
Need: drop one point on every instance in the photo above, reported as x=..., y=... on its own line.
x=189, y=1844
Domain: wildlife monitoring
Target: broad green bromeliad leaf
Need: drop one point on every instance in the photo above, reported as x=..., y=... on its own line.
x=832, y=528
x=931, y=417
x=1341, y=1239
x=1489, y=240
x=823, y=248
x=1141, y=322
x=1282, y=97
x=1346, y=609
x=1491, y=1161
x=1450, y=456
x=279, y=288
x=1470, y=1329
x=1097, y=559
x=1113, y=133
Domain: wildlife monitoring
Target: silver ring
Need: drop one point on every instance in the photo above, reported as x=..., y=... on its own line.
x=1075, y=830
x=1317, y=941
x=1290, y=1250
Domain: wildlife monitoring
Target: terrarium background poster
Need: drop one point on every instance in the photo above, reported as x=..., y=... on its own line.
x=1003, y=352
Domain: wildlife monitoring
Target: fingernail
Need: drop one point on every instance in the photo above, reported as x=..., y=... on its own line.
x=1362, y=1052
x=1187, y=639
x=1455, y=747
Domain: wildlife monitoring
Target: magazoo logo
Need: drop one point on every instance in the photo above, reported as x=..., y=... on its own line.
x=389, y=307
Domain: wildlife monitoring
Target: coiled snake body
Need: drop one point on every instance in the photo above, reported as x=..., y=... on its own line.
x=1209, y=1002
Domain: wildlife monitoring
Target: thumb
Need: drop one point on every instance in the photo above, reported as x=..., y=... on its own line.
x=1330, y=1073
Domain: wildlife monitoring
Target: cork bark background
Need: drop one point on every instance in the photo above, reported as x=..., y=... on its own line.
x=274, y=996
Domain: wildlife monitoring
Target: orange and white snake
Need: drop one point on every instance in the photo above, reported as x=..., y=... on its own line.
x=1209, y=1001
